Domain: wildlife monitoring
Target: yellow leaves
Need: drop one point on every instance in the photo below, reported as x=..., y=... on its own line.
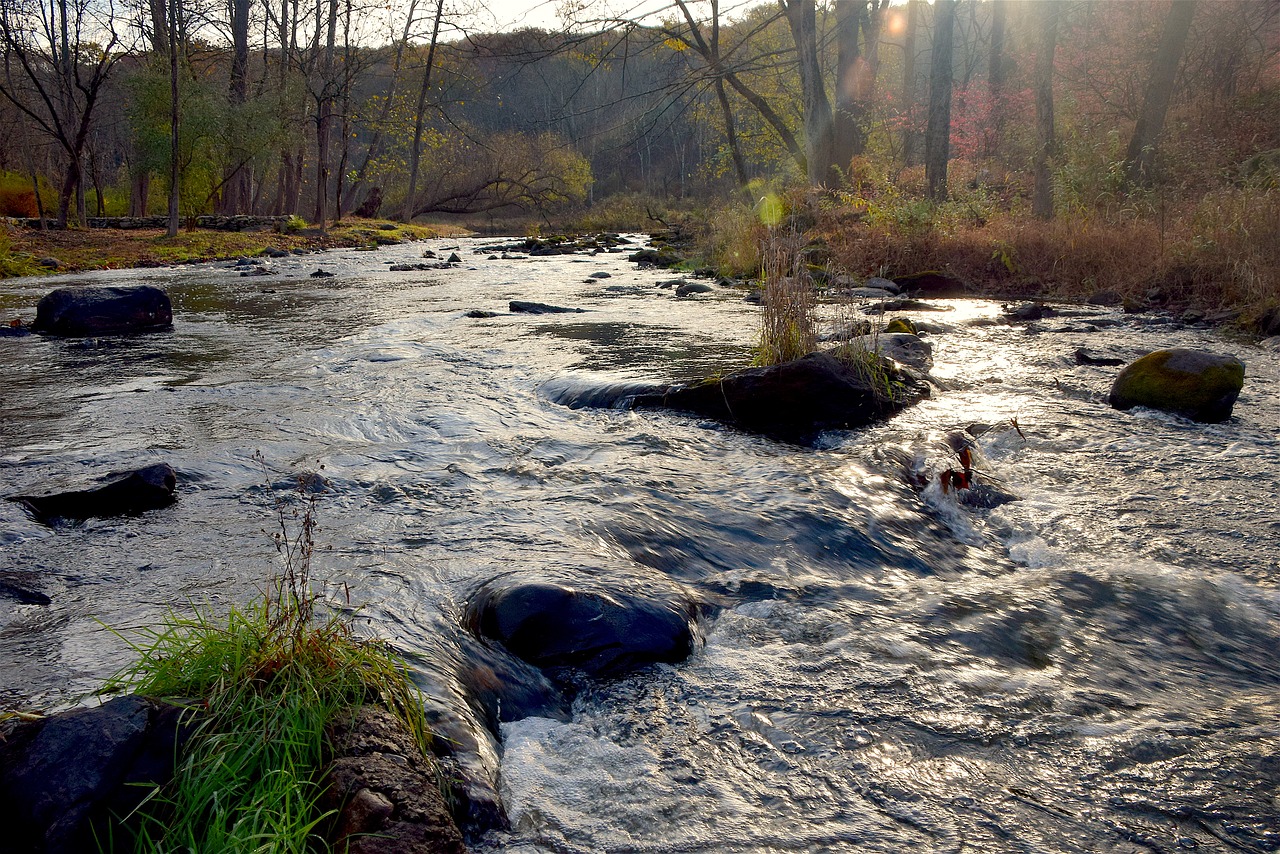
x=675, y=44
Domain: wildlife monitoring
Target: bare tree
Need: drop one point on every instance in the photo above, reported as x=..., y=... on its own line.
x=937, y=137
x=819, y=152
x=420, y=115
x=174, y=105
x=1141, y=155
x=1042, y=197
x=57, y=61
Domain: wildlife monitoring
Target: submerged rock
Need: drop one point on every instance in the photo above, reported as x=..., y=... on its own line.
x=691, y=288
x=797, y=400
x=1201, y=386
x=601, y=630
x=88, y=311
x=62, y=776
x=122, y=493
x=520, y=307
x=1084, y=356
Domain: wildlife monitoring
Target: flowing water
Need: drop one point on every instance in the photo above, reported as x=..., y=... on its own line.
x=1090, y=668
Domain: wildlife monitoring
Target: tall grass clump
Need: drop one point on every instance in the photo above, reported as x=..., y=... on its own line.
x=261, y=687
x=788, y=318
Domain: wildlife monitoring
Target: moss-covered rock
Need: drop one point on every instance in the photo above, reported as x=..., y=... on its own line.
x=1201, y=386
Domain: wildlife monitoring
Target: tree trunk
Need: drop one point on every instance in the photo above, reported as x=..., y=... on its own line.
x=419, y=121
x=173, y=119
x=324, y=117
x=1141, y=156
x=937, y=137
x=996, y=73
x=802, y=19
x=848, y=139
x=731, y=139
x=910, y=136
x=236, y=189
x=1042, y=198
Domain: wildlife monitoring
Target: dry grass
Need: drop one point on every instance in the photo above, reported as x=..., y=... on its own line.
x=1219, y=253
x=108, y=248
x=788, y=320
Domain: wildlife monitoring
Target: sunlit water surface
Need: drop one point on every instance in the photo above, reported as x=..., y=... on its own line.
x=1091, y=668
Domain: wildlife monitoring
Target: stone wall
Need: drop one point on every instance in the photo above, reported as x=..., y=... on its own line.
x=217, y=223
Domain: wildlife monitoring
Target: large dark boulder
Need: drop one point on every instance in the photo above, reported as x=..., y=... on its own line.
x=596, y=628
x=78, y=312
x=62, y=776
x=1201, y=386
x=122, y=493
x=797, y=400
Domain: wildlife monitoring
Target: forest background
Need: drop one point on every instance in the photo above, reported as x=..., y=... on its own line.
x=1034, y=146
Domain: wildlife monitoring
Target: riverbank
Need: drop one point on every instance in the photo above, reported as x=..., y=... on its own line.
x=29, y=252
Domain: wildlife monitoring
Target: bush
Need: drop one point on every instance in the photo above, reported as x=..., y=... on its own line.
x=16, y=196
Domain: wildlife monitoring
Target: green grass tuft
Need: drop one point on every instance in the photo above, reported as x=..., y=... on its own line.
x=262, y=686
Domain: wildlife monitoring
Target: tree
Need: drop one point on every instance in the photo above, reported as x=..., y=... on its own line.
x=801, y=17
x=1042, y=197
x=1141, y=155
x=58, y=61
x=420, y=115
x=237, y=189
x=174, y=107
x=910, y=134
x=937, y=137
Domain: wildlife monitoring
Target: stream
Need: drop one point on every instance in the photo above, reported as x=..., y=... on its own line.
x=1093, y=667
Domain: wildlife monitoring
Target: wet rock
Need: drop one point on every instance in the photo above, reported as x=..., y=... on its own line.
x=601, y=275
x=904, y=305
x=797, y=400
x=62, y=776
x=691, y=288
x=22, y=595
x=902, y=347
x=322, y=274
x=256, y=271
x=1199, y=385
x=654, y=258
x=883, y=284
x=502, y=688
x=1105, y=298
x=601, y=630
x=1272, y=343
x=1269, y=323
x=385, y=791
x=870, y=293
x=122, y=493
x=1083, y=356
x=754, y=298
x=520, y=307
x=454, y=258
x=902, y=324
x=845, y=331
x=49, y=263
x=87, y=311
x=15, y=331
x=932, y=283
x=477, y=313
x=272, y=252
x=1028, y=311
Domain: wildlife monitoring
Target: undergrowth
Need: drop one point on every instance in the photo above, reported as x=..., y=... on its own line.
x=260, y=686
